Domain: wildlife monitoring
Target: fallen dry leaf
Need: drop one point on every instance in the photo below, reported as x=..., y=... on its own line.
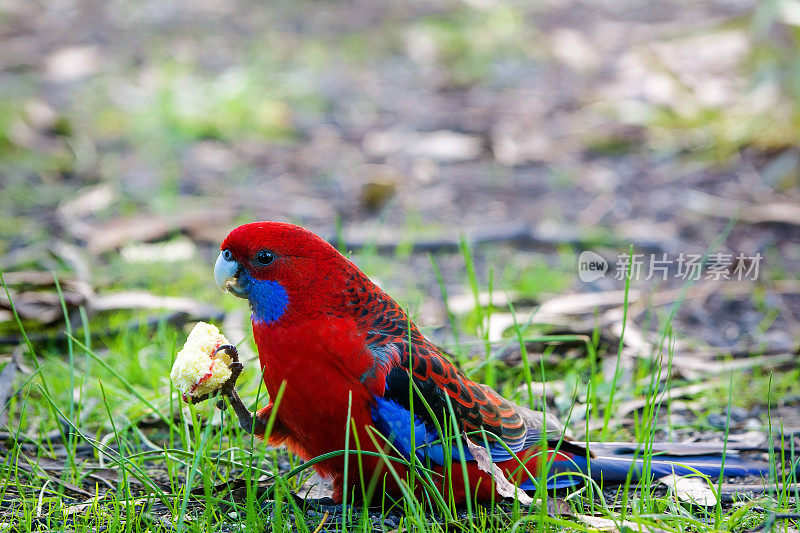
x=30, y=278
x=504, y=487
x=667, y=395
x=779, y=211
x=750, y=439
x=558, y=507
x=44, y=307
x=172, y=251
x=607, y=524
x=539, y=389
x=576, y=304
x=516, y=142
x=442, y=146
x=691, y=489
x=86, y=202
x=110, y=235
x=464, y=303
x=690, y=361
x=146, y=300
x=316, y=487
x=71, y=63
x=74, y=257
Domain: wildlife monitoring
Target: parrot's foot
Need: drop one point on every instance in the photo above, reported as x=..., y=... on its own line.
x=247, y=420
x=235, y=367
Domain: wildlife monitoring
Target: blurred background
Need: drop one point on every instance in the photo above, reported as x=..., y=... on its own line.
x=500, y=138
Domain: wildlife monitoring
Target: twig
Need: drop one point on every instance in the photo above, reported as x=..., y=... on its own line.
x=321, y=523
x=522, y=235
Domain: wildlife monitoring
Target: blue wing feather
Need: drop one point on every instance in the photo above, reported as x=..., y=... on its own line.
x=394, y=422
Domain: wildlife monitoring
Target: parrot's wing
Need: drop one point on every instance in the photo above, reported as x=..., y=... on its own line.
x=394, y=421
x=405, y=361
x=444, y=399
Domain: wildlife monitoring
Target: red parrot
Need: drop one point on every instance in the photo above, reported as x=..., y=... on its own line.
x=340, y=344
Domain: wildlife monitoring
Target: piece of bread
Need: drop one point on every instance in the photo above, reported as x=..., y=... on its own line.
x=197, y=371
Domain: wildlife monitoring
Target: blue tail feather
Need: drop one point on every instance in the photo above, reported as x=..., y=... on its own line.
x=614, y=469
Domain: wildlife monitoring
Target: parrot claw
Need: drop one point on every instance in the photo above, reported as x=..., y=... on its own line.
x=231, y=349
x=247, y=420
x=235, y=367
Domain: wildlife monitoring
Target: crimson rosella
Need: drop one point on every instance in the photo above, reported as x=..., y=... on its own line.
x=340, y=344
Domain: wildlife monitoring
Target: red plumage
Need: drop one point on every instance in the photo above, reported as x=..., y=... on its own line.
x=340, y=343
x=320, y=347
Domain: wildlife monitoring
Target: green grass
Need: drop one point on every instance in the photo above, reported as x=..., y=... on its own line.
x=191, y=468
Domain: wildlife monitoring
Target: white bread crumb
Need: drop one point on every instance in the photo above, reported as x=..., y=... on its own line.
x=196, y=371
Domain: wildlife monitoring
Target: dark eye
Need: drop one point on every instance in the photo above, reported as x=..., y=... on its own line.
x=265, y=257
x=227, y=255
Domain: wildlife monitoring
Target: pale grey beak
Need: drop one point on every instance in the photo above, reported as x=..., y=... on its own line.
x=227, y=272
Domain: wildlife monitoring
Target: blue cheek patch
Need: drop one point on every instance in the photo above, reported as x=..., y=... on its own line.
x=268, y=299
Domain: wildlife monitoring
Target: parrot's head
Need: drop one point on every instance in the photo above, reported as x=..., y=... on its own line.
x=279, y=268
